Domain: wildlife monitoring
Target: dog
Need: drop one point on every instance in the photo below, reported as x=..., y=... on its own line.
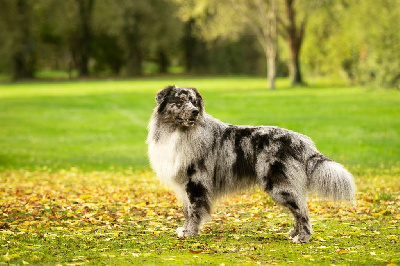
x=202, y=159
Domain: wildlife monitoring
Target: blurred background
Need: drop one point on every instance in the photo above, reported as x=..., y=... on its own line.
x=355, y=40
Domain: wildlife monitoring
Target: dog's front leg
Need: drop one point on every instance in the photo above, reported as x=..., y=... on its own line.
x=196, y=208
x=181, y=231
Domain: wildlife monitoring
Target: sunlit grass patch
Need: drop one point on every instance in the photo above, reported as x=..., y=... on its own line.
x=100, y=125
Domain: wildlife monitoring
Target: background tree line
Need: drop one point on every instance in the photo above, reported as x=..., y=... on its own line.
x=358, y=39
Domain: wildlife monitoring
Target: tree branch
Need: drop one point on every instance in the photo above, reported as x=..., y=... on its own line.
x=254, y=27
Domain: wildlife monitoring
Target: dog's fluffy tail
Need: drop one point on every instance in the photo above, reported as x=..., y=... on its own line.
x=330, y=180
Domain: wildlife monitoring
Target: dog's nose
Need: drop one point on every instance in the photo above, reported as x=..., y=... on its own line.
x=195, y=112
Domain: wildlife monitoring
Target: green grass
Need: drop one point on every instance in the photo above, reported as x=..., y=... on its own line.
x=75, y=185
x=102, y=124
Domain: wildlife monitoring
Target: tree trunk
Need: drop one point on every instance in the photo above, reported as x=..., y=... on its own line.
x=85, y=35
x=194, y=50
x=163, y=61
x=271, y=64
x=24, y=58
x=296, y=78
x=263, y=23
x=295, y=39
x=133, y=40
x=189, y=46
x=271, y=43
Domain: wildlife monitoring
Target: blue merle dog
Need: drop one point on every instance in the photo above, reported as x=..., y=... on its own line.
x=203, y=159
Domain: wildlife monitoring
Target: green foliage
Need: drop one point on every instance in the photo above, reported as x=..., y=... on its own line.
x=17, y=38
x=143, y=29
x=357, y=38
x=381, y=62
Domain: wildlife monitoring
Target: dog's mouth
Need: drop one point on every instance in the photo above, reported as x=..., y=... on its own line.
x=186, y=122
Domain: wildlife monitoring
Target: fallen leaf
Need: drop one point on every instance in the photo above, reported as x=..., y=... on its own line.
x=342, y=251
x=195, y=251
x=4, y=226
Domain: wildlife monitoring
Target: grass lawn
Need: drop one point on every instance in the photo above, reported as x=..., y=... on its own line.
x=75, y=185
x=102, y=124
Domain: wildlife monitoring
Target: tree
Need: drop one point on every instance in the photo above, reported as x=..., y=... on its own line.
x=18, y=40
x=230, y=19
x=24, y=56
x=379, y=41
x=191, y=47
x=133, y=39
x=294, y=34
x=145, y=30
x=84, y=35
x=292, y=26
x=262, y=19
x=353, y=39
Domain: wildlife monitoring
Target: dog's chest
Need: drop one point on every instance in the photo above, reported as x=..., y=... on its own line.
x=166, y=157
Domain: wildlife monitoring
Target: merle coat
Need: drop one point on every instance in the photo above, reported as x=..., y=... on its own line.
x=203, y=159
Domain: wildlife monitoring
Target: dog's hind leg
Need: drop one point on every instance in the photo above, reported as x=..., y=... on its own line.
x=298, y=207
x=302, y=230
x=287, y=189
x=196, y=207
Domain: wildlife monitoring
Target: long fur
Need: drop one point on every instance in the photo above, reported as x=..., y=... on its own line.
x=203, y=159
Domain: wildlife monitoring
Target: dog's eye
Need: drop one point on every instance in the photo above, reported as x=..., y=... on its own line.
x=192, y=100
x=179, y=103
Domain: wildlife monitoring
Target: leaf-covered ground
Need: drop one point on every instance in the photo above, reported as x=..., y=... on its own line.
x=73, y=217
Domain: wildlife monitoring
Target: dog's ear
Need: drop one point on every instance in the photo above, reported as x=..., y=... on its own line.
x=199, y=98
x=163, y=93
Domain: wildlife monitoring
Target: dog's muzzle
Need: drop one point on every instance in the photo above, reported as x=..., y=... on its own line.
x=190, y=118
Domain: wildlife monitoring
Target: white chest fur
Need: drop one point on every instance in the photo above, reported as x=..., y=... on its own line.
x=165, y=157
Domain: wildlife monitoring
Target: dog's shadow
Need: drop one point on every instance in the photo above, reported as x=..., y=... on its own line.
x=210, y=235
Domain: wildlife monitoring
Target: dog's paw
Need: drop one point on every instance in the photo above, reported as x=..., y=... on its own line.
x=292, y=233
x=300, y=239
x=180, y=232
x=184, y=233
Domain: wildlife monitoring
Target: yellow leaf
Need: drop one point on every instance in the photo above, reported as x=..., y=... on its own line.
x=307, y=257
x=34, y=257
x=85, y=196
x=342, y=251
x=9, y=257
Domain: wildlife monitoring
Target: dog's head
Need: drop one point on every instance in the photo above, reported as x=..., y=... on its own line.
x=180, y=106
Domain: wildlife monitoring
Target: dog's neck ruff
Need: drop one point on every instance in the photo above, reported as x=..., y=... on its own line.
x=164, y=157
x=168, y=151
